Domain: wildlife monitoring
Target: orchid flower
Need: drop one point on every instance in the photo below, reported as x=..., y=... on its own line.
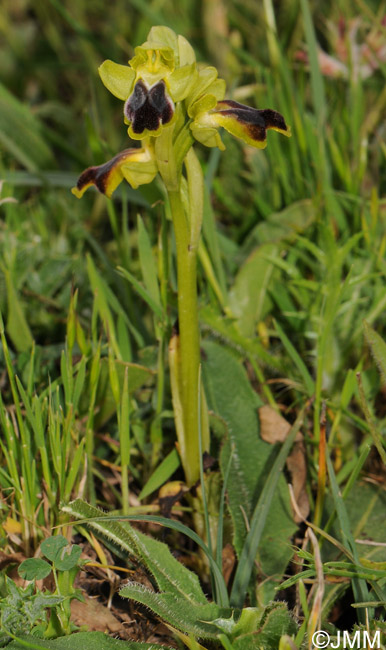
x=164, y=88
x=169, y=102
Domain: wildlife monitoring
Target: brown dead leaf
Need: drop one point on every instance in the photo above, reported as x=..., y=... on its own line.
x=95, y=615
x=297, y=467
x=228, y=562
x=274, y=428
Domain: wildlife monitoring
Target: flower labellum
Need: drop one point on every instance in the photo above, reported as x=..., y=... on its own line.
x=244, y=122
x=148, y=108
x=137, y=166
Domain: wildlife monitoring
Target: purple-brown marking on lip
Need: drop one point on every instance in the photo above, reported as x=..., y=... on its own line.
x=99, y=175
x=255, y=121
x=148, y=109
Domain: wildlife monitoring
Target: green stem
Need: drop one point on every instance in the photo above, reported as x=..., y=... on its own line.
x=189, y=341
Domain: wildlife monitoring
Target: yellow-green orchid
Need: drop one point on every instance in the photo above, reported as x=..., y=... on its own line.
x=169, y=102
x=166, y=93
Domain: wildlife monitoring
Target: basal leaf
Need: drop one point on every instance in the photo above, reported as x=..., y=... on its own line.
x=251, y=462
x=179, y=612
x=82, y=641
x=170, y=575
x=283, y=225
x=276, y=622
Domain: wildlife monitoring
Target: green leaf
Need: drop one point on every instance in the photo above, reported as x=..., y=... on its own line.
x=148, y=267
x=17, y=326
x=162, y=474
x=378, y=349
x=69, y=558
x=105, y=301
x=366, y=510
x=144, y=293
x=82, y=641
x=298, y=361
x=275, y=622
x=265, y=507
x=252, y=459
x=34, y=569
x=227, y=329
x=53, y=546
x=137, y=376
x=358, y=584
x=63, y=555
x=170, y=575
x=22, y=609
x=284, y=224
x=248, y=298
x=20, y=133
x=191, y=618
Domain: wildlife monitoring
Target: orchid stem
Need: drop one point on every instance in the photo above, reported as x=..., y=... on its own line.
x=189, y=339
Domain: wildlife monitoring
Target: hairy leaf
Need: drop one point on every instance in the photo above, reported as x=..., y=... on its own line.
x=191, y=618
x=252, y=459
x=169, y=574
x=82, y=641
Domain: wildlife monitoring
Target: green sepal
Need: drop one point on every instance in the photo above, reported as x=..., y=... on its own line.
x=185, y=51
x=118, y=79
x=161, y=37
x=182, y=81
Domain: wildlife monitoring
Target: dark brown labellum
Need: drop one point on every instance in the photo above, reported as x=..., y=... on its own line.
x=148, y=108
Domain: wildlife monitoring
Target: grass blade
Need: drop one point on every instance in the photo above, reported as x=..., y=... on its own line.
x=359, y=586
x=163, y=472
x=298, y=361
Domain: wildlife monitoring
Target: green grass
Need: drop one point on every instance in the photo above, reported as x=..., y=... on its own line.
x=291, y=265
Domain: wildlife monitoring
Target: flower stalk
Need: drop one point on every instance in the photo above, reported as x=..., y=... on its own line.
x=189, y=341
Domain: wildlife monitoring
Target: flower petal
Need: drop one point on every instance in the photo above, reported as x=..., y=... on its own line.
x=137, y=166
x=206, y=77
x=248, y=124
x=117, y=78
x=207, y=135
